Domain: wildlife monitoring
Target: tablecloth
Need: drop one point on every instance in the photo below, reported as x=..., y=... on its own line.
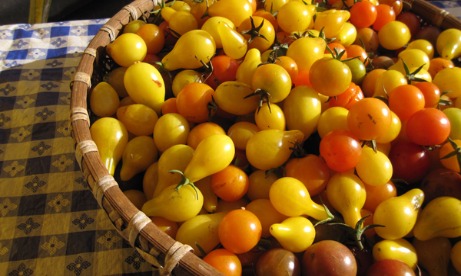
x=50, y=223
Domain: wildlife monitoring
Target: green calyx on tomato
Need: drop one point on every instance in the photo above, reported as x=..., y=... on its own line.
x=413, y=76
x=184, y=181
x=356, y=234
x=456, y=151
x=254, y=32
x=264, y=97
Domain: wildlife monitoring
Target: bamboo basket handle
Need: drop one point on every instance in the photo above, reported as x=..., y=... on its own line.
x=158, y=248
x=432, y=14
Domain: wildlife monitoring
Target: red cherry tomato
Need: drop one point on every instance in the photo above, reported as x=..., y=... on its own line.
x=341, y=150
x=224, y=69
x=428, y=127
x=410, y=161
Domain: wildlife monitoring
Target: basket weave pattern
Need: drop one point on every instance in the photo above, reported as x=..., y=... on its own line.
x=154, y=245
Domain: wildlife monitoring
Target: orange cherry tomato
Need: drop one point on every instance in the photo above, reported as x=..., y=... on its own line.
x=230, y=184
x=193, y=102
x=224, y=261
x=239, y=231
x=311, y=170
x=201, y=131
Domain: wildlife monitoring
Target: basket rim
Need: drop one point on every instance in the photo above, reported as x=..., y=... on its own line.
x=129, y=221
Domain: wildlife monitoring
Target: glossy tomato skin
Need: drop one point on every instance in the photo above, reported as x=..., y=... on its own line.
x=276, y=145
x=201, y=131
x=239, y=231
x=410, y=161
x=224, y=261
x=321, y=72
x=224, y=69
x=340, y=150
x=441, y=182
x=428, y=127
x=278, y=261
x=273, y=79
x=389, y=267
x=266, y=31
x=230, y=184
x=369, y=119
x=193, y=102
x=328, y=257
x=363, y=14
x=349, y=97
x=311, y=170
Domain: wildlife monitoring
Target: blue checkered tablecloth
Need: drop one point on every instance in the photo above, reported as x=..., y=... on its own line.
x=50, y=223
x=453, y=7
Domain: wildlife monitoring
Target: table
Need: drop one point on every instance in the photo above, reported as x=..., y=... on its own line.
x=50, y=223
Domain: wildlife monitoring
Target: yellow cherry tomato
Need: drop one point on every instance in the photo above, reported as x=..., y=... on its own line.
x=111, y=137
x=176, y=203
x=398, y=249
x=398, y=214
x=170, y=129
x=346, y=193
x=295, y=234
x=213, y=154
x=271, y=148
x=140, y=152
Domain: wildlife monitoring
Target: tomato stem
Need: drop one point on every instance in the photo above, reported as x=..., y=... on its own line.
x=184, y=181
x=264, y=98
x=456, y=151
x=372, y=144
x=254, y=32
x=412, y=76
x=328, y=219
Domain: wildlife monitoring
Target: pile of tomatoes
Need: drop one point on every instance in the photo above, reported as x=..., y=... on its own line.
x=289, y=137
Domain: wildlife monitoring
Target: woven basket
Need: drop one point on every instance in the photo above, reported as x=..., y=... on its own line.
x=155, y=246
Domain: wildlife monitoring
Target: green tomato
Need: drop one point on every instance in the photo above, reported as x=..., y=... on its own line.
x=358, y=70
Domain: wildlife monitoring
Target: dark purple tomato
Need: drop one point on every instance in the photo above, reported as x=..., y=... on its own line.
x=328, y=258
x=411, y=20
x=429, y=33
x=410, y=161
x=278, y=261
x=441, y=182
x=388, y=267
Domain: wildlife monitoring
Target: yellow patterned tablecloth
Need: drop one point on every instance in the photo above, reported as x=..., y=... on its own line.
x=50, y=223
